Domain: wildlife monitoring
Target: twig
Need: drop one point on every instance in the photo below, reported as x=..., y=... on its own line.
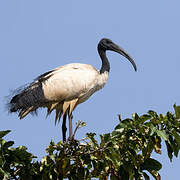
x=83, y=139
x=119, y=116
x=77, y=126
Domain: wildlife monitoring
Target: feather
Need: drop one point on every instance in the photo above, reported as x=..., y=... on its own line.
x=23, y=113
x=59, y=113
x=27, y=100
x=73, y=104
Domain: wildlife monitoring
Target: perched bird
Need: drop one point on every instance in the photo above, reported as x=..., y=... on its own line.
x=63, y=88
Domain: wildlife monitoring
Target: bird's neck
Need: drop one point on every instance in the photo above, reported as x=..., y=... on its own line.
x=105, y=63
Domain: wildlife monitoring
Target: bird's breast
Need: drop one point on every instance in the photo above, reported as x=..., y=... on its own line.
x=73, y=81
x=100, y=82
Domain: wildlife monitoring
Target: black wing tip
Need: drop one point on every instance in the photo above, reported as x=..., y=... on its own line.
x=14, y=99
x=44, y=76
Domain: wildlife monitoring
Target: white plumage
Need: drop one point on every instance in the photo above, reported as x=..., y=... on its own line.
x=73, y=81
x=63, y=88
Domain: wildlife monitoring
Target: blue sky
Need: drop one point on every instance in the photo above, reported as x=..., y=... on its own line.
x=37, y=36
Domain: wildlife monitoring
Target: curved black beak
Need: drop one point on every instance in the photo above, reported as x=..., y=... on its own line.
x=121, y=51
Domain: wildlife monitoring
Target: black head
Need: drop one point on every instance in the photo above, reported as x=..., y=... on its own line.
x=106, y=44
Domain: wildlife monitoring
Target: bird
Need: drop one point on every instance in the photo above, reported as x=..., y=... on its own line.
x=65, y=87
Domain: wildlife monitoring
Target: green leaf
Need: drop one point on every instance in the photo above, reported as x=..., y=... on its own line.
x=176, y=136
x=91, y=137
x=177, y=111
x=152, y=113
x=106, y=137
x=112, y=177
x=145, y=117
x=3, y=133
x=135, y=117
x=146, y=177
x=169, y=150
x=121, y=126
x=151, y=164
x=162, y=134
x=8, y=144
x=5, y=174
x=123, y=173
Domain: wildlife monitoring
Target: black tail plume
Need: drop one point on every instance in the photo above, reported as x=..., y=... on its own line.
x=30, y=97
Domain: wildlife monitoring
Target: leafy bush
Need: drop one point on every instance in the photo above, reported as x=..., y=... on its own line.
x=121, y=155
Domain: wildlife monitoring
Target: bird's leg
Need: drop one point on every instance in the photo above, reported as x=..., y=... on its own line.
x=64, y=129
x=70, y=126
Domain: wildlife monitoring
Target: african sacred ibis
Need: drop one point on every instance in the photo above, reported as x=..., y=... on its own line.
x=65, y=87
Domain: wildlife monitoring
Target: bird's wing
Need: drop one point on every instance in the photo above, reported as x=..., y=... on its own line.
x=58, y=89
x=69, y=82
